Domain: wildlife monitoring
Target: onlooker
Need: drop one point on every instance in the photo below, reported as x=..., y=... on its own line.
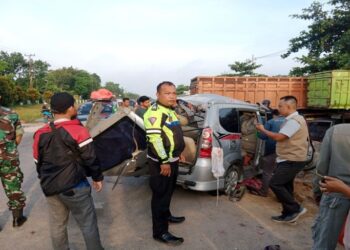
x=144, y=102
x=11, y=133
x=45, y=111
x=266, y=103
x=165, y=145
x=64, y=156
x=268, y=162
x=334, y=207
x=125, y=106
x=291, y=151
x=334, y=185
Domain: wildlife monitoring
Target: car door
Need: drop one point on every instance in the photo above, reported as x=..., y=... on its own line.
x=226, y=131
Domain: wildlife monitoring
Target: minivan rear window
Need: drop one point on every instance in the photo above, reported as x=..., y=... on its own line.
x=229, y=120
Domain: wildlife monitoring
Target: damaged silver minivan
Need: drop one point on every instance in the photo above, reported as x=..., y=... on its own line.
x=207, y=120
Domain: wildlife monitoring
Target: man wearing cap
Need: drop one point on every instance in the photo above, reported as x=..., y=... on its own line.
x=11, y=133
x=65, y=156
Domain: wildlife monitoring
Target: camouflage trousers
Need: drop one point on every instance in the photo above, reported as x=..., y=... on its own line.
x=11, y=179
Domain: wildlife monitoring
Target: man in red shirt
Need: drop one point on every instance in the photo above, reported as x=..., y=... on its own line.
x=65, y=156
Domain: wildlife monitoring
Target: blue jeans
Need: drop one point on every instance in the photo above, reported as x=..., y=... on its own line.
x=329, y=221
x=79, y=202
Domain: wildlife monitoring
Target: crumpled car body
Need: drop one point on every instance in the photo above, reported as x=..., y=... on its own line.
x=207, y=120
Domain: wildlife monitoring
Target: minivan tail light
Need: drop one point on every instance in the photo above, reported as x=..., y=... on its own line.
x=206, y=143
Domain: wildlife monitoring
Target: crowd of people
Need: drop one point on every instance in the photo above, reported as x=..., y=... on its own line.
x=65, y=157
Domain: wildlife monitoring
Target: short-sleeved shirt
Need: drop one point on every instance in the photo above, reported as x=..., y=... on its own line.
x=10, y=128
x=272, y=125
x=291, y=126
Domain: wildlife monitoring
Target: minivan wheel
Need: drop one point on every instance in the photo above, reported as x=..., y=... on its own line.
x=232, y=177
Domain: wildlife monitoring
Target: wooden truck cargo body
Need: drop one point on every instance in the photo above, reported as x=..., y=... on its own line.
x=252, y=89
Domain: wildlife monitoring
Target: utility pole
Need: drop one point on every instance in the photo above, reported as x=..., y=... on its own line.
x=253, y=58
x=31, y=70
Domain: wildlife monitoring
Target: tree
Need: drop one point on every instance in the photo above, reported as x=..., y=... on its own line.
x=181, y=88
x=6, y=91
x=33, y=94
x=131, y=95
x=327, y=38
x=41, y=70
x=73, y=80
x=245, y=68
x=12, y=64
x=114, y=88
x=20, y=94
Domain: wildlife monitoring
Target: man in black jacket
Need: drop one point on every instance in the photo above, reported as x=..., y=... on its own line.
x=64, y=156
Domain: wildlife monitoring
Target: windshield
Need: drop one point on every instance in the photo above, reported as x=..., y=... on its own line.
x=85, y=109
x=107, y=108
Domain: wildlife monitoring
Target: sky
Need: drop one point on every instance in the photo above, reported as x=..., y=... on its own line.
x=141, y=43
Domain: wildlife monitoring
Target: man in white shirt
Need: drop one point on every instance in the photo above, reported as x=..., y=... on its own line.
x=291, y=151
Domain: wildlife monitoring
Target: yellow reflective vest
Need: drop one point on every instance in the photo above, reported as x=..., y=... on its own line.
x=164, y=133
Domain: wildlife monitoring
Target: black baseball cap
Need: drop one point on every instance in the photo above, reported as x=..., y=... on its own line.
x=60, y=102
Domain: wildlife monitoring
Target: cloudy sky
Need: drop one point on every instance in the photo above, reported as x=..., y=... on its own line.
x=140, y=43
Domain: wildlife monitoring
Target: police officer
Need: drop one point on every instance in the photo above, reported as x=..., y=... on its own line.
x=11, y=133
x=165, y=145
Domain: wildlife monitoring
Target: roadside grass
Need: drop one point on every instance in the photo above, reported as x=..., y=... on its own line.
x=28, y=113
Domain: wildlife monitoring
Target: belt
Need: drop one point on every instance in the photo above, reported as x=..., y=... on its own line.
x=173, y=159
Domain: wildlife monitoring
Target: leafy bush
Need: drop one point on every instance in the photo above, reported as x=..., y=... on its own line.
x=33, y=94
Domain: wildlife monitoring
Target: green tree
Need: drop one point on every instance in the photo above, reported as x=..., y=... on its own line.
x=73, y=80
x=181, y=88
x=7, y=91
x=131, y=95
x=33, y=94
x=327, y=38
x=20, y=94
x=12, y=64
x=41, y=70
x=245, y=68
x=115, y=88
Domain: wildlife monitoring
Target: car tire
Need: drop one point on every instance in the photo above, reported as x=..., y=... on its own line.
x=233, y=176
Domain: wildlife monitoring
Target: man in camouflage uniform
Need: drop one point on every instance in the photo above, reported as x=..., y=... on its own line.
x=11, y=133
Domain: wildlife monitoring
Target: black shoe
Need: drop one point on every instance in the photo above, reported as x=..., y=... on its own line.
x=18, y=218
x=279, y=218
x=291, y=218
x=170, y=239
x=294, y=217
x=173, y=219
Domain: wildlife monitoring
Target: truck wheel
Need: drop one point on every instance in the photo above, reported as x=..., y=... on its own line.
x=232, y=177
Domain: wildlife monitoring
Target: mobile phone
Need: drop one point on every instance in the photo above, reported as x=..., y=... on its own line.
x=258, y=117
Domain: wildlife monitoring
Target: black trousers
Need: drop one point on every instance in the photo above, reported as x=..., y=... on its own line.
x=282, y=184
x=162, y=190
x=268, y=165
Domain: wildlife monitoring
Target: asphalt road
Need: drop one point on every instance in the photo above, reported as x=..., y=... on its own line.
x=124, y=218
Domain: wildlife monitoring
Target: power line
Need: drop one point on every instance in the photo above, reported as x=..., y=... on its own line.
x=271, y=54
